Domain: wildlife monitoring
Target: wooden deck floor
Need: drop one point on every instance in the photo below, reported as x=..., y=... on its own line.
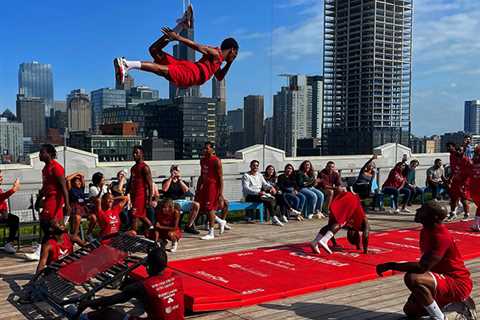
x=378, y=299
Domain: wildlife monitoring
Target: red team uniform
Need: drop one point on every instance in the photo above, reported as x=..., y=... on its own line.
x=167, y=220
x=474, y=175
x=460, y=183
x=395, y=180
x=184, y=73
x=60, y=250
x=109, y=221
x=453, y=282
x=346, y=210
x=138, y=190
x=164, y=297
x=208, y=195
x=54, y=199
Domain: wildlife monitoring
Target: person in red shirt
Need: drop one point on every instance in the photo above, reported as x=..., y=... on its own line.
x=141, y=191
x=183, y=73
x=474, y=174
x=346, y=212
x=440, y=276
x=11, y=220
x=209, y=192
x=459, y=181
x=395, y=185
x=161, y=294
x=54, y=193
x=167, y=226
x=58, y=246
x=109, y=210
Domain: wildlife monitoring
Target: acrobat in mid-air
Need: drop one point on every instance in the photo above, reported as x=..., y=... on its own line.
x=182, y=73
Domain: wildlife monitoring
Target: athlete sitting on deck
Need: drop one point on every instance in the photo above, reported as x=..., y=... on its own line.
x=161, y=294
x=440, y=277
x=346, y=211
x=182, y=73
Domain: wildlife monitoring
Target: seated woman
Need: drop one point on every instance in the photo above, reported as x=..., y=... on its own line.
x=293, y=200
x=96, y=190
x=270, y=176
x=167, y=226
x=306, y=181
x=109, y=210
x=363, y=185
x=76, y=187
x=396, y=185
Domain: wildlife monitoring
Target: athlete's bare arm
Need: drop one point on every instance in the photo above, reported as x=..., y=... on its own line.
x=222, y=72
x=220, y=177
x=148, y=176
x=203, y=49
x=63, y=186
x=426, y=263
x=365, y=234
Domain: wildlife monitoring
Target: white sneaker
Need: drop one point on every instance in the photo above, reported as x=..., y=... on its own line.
x=174, y=246
x=276, y=221
x=466, y=216
x=34, y=256
x=406, y=210
x=9, y=248
x=222, y=225
x=310, y=217
x=314, y=246
x=325, y=246
x=451, y=216
x=227, y=226
x=294, y=212
x=285, y=219
x=210, y=235
x=396, y=211
x=120, y=70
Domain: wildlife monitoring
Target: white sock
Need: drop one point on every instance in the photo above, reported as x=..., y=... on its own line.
x=327, y=237
x=211, y=231
x=434, y=311
x=133, y=64
x=318, y=237
x=219, y=221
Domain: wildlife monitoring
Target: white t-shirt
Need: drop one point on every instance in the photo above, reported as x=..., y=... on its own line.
x=95, y=191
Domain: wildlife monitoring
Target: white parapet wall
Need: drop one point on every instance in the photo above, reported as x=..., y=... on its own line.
x=77, y=160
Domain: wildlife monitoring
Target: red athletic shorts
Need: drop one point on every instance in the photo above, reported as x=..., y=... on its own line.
x=458, y=191
x=448, y=289
x=207, y=197
x=53, y=208
x=182, y=73
x=139, y=209
x=163, y=234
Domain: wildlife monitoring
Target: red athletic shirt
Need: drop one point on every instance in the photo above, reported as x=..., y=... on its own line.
x=165, y=220
x=209, y=171
x=459, y=167
x=395, y=179
x=50, y=174
x=475, y=177
x=60, y=250
x=4, y=202
x=138, y=182
x=439, y=242
x=346, y=210
x=209, y=64
x=164, y=296
x=109, y=220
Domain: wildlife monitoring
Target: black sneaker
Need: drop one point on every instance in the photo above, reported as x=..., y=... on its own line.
x=191, y=230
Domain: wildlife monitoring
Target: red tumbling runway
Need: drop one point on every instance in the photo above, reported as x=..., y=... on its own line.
x=264, y=274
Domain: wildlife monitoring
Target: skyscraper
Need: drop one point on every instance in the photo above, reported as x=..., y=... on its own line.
x=367, y=70
x=36, y=80
x=182, y=52
x=11, y=139
x=105, y=98
x=31, y=113
x=79, y=111
x=235, y=120
x=253, y=119
x=297, y=112
x=472, y=117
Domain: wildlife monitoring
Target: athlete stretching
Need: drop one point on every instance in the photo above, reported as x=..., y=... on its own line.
x=182, y=73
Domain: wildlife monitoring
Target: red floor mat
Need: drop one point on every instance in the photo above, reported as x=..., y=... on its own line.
x=264, y=274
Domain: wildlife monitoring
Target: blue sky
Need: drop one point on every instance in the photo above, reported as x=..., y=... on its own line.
x=80, y=39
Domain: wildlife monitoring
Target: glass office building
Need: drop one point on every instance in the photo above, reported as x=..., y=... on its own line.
x=36, y=80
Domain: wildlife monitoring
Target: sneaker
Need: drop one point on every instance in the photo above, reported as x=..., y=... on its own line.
x=466, y=216
x=276, y=221
x=396, y=211
x=294, y=212
x=227, y=226
x=463, y=310
x=314, y=246
x=325, y=246
x=285, y=219
x=186, y=21
x=451, y=216
x=405, y=210
x=34, y=256
x=174, y=246
x=120, y=70
x=210, y=235
x=191, y=230
x=9, y=248
x=310, y=217
x=221, y=225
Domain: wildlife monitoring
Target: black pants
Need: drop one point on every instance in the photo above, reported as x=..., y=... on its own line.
x=13, y=224
x=269, y=205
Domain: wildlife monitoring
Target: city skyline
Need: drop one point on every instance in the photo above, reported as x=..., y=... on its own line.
x=272, y=41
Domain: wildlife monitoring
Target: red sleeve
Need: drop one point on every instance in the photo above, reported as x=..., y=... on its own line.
x=5, y=195
x=440, y=245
